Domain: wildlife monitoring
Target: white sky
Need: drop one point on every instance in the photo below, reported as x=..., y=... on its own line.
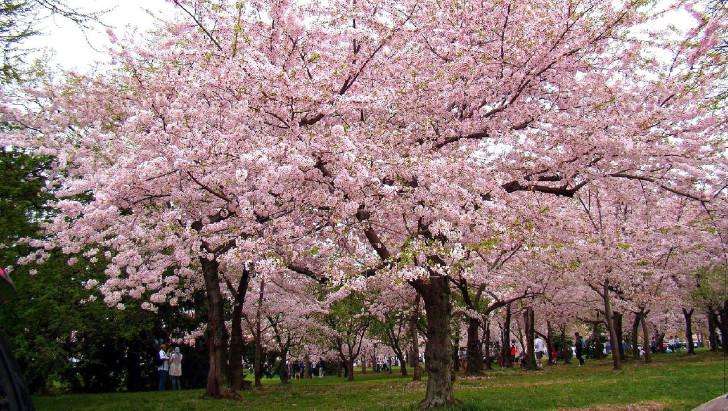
x=75, y=49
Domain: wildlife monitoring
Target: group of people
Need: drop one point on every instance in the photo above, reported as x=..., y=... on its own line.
x=169, y=365
x=540, y=349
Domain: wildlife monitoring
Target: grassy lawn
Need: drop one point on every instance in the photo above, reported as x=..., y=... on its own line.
x=672, y=381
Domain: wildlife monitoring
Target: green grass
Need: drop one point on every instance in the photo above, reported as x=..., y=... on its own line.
x=672, y=381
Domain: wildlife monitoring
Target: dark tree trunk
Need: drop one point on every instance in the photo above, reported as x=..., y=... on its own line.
x=475, y=351
x=402, y=364
x=688, y=314
x=363, y=366
x=350, y=369
x=723, y=326
x=283, y=373
x=235, y=362
x=435, y=293
x=618, y=328
x=610, y=326
x=528, y=324
x=307, y=367
x=258, y=355
x=506, y=340
x=486, y=342
x=550, y=343
x=712, y=324
x=598, y=347
x=455, y=344
x=216, y=340
x=645, y=338
x=414, y=353
x=565, y=349
x=636, y=334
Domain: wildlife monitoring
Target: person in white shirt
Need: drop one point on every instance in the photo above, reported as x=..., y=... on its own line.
x=175, y=368
x=163, y=367
x=539, y=347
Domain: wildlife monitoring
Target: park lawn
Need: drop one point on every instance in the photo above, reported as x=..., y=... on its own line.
x=672, y=381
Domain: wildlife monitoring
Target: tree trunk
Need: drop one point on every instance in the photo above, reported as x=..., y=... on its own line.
x=723, y=326
x=506, y=340
x=645, y=338
x=610, y=326
x=414, y=353
x=350, y=369
x=636, y=334
x=402, y=364
x=550, y=343
x=475, y=351
x=619, y=331
x=435, y=293
x=363, y=365
x=216, y=340
x=712, y=324
x=455, y=344
x=528, y=324
x=486, y=343
x=235, y=362
x=258, y=355
x=688, y=314
x=283, y=373
x=307, y=367
x=598, y=347
x=565, y=349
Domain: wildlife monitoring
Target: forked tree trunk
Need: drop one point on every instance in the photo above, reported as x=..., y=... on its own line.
x=528, y=324
x=645, y=338
x=635, y=335
x=414, y=353
x=610, y=326
x=216, y=340
x=235, y=362
x=506, y=340
x=475, y=351
x=435, y=293
x=688, y=314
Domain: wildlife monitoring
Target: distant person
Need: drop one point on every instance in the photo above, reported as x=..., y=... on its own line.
x=539, y=346
x=579, y=348
x=175, y=368
x=513, y=352
x=163, y=366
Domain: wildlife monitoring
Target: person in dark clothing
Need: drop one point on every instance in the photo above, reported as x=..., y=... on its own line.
x=579, y=347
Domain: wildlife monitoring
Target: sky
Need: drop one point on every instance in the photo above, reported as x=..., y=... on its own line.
x=76, y=49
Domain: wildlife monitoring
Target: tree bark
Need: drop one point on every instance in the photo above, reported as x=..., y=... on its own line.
x=475, y=351
x=723, y=326
x=636, y=334
x=235, y=362
x=350, y=369
x=216, y=340
x=258, y=355
x=550, y=343
x=688, y=314
x=565, y=349
x=618, y=328
x=283, y=373
x=712, y=324
x=414, y=341
x=486, y=343
x=645, y=338
x=435, y=293
x=528, y=324
x=610, y=326
x=506, y=340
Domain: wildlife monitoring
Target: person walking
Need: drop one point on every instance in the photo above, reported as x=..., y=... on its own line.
x=175, y=368
x=163, y=366
x=539, y=346
x=579, y=348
